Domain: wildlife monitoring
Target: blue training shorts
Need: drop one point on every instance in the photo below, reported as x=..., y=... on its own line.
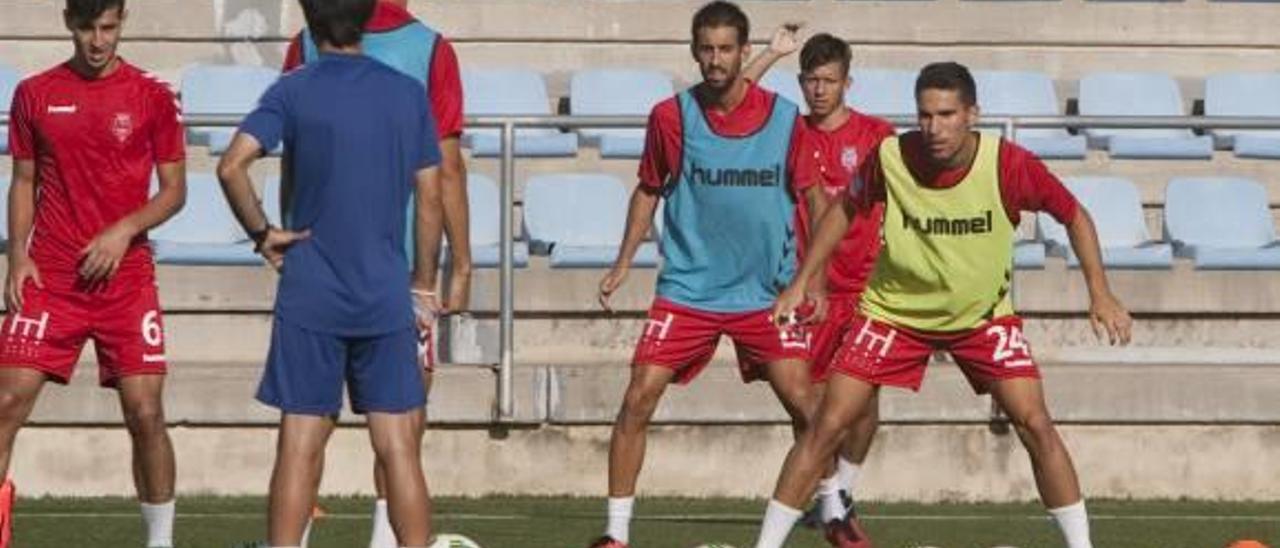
x=306, y=370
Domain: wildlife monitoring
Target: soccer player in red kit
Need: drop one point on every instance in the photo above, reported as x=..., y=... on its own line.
x=839, y=140
x=86, y=134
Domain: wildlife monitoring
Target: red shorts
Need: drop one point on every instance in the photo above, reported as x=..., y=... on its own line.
x=123, y=319
x=685, y=339
x=882, y=354
x=828, y=335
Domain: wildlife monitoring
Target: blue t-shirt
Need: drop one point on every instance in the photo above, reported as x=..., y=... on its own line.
x=355, y=133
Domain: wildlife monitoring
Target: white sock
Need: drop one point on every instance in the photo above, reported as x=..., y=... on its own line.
x=306, y=533
x=383, y=535
x=829, y=499
x=159, y=521
x=1073, y=520
x=778, y=521
x=619, y=527
x=848, y=472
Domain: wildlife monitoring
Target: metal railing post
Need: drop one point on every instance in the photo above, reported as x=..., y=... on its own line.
x=506, y=399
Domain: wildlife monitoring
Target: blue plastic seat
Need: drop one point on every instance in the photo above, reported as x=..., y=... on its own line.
x=1247, y=94
x=1116, y=209
x=512, y=92
x=484, y=203
x=883, y=92
x=1140, y=94
x=1019, y=93
x=9, y=79
x=1222, y=223
x=1028, y=255
x=786, y=84
x=218, y=90
x=617, y=92
x=205, y=232
x=580, y=220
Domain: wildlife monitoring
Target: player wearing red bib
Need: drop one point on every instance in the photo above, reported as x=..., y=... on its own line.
x=87, y=134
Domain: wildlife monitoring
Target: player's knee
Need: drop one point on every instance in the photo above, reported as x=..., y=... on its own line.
x=145, y=420
x=1036, y=427
x=12, y=406
x=638, y=404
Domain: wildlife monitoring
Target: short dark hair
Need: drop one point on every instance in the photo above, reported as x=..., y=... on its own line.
x=722, y=14
x=87, y=10
x=339, y=23
x=949, y=76
x=824, y=48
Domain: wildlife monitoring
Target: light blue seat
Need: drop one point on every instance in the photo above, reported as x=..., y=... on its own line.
x=1019, y=93
x=786, y=83
x=1223, y=223
x=9, y=79
x=1247, y=94
x=218, y=90
x=1140, y=94
x=883, y=92
x=1116, y=209
x=1028, y=255
x=205, y=232
x=484, y=204
x=512, y=92
x=580, y=219
x=617, y=92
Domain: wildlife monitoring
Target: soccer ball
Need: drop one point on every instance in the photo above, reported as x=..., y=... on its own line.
x=453, y=541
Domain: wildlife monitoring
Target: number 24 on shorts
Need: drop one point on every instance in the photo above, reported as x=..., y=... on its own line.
x=1011, y=349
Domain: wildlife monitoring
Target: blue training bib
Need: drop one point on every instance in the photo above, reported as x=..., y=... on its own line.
x=729, y=243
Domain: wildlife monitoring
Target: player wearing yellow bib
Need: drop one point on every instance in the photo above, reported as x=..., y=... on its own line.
x=952, y=197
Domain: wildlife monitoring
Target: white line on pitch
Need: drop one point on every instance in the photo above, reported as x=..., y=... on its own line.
x=670, y=517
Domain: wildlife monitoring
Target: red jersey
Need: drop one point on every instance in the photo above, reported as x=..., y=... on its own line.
x=836, y=155
x=444, y=81
x=94, y=143
x=663, y=147
x=1025, y=183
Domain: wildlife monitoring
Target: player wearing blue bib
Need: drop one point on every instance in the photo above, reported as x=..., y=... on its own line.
x=344, y=312
x=723, y=155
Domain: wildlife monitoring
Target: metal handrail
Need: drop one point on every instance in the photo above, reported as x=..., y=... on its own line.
x=507, y=125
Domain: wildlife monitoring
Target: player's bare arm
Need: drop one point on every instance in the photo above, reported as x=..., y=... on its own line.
x=22, y=213
x=233, y=173
x=1106, y=314
x=644, y=202
x=457, y=223
x=818, y=201
x=427, y=226
x=101, y=258
x=785, y=41
x=831, y=229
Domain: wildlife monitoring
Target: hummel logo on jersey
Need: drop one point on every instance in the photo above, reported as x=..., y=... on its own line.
x=61, y=109
x=736, y=177
x=943, y=226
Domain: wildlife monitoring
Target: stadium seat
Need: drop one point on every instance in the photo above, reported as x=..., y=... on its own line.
x=618, y=92
x=784, y=82
x=1255, y=94
x=1028, y=255
x=1222, y=223
x=1140, y=94
x=1017, y=93
x=9, y=79
x=589, y=237
x=222, y=89
x=1116, y=209
x=512, y=92
x=484, y=203
x=883, y=92
x=205, y=232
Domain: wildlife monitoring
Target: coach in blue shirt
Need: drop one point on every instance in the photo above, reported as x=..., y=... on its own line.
x=358, y=136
